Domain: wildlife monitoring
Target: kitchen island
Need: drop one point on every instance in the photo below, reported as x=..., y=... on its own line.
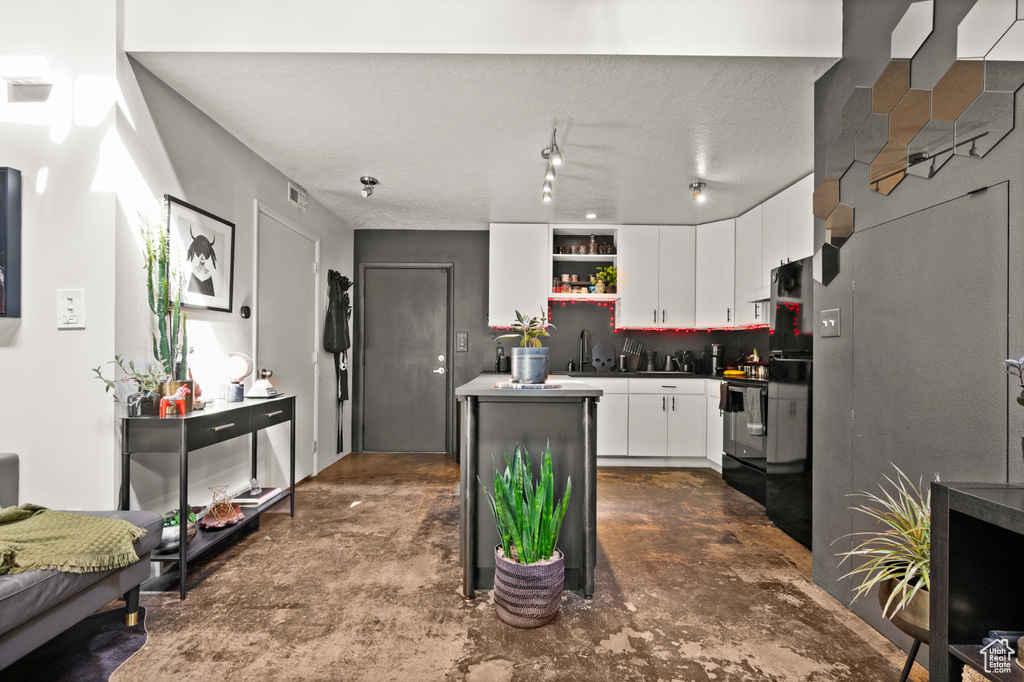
x=493, y=420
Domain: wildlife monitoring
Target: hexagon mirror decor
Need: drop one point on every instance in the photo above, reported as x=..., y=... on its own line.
x=984, y=124
x=855, y=111
x=913, y=29
x=1010, y=47
x=888, y=168
x=899, y=131
x=983, y=26
x=957, y=89
x=910, y=115
x=825, y=197
x=873, y=135
x=930, y=148
x=839, y=225
x=890, y=86
x=1004, y=76
x=840, y=155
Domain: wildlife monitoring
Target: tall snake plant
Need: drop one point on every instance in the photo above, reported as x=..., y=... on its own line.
x=525, y=513
x=163, y=286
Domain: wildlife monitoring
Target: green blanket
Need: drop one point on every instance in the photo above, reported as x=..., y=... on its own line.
x=34, y=537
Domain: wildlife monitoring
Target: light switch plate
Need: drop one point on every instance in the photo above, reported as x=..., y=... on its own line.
x=461, y=342
x=70, y=308
x=830, y=322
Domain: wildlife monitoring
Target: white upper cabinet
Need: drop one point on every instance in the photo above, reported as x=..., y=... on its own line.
x=520, y=271
x=656, y=276
x=637, y=275
x=676, y=278
x=774, y=236
x=801, y=220
x=787, y=227
x=748, y=268
x=715, y=269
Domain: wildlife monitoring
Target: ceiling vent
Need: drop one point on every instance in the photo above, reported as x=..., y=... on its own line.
x=297, y=196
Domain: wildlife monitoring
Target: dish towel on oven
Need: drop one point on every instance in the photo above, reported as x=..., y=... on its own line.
x=752, y=406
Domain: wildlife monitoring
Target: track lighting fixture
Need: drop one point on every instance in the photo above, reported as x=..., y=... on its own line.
x=553, y=157
x=698, y=191
x=551, y=153
x=368, y=184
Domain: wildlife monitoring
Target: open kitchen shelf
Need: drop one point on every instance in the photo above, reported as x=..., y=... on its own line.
x=584, y=258
x=582, y=297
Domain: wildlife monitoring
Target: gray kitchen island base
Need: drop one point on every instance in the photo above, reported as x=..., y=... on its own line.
x=494, y=421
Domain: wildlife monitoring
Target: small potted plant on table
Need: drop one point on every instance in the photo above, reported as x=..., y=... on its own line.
x=529, y=571
x=530, y=359
x=145, y=402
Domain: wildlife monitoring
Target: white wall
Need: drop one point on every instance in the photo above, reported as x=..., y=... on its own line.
x=113, y=140
x=178, y=150
x=52, y=412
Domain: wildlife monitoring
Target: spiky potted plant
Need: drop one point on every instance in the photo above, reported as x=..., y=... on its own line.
x=896, y=556
x=529, y=570
x=530, y=359
x=163, y=288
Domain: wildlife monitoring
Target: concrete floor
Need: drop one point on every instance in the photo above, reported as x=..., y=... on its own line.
x=693, y=583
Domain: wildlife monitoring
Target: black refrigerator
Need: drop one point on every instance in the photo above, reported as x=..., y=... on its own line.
x=790, y=370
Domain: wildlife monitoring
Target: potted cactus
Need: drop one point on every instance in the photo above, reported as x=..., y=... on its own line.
x=530, y=359
x=529, y=571
x=163, y=288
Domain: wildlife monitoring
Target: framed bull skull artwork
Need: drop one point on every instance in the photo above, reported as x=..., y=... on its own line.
x=204, y=246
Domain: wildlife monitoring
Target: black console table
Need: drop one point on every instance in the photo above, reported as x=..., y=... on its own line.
x=977, y=553
x=194, y=430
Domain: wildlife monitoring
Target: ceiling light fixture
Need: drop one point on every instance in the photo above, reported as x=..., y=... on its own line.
x=553, y=157
x=591, y=216
x=698, y=191
x=368, y=183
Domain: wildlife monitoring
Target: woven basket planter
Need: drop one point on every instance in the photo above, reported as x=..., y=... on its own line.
x=527, y=595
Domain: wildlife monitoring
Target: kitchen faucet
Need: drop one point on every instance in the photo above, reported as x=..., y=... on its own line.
x=584, y=358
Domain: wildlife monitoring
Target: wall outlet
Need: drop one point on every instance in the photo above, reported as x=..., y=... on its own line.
x=70, y=308
x=461, y=342
x=830, y=322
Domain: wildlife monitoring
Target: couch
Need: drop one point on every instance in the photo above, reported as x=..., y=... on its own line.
x=38, y=605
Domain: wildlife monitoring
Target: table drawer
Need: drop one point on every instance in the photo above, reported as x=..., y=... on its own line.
x=276, y=412
x=215, y=427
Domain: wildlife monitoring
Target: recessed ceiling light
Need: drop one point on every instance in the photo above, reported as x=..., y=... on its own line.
x=591, y=216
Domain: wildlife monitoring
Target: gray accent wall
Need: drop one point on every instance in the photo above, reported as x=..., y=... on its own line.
x=467, y=250
x=931, y=294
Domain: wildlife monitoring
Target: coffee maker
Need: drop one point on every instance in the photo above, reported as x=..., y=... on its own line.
x=717, y=354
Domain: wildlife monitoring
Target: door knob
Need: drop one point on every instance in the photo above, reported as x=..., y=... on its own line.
x=439, y=370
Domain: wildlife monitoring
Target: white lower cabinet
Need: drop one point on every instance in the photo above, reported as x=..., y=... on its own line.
x=666, y=418
x=686, y=426
x=715, y=443
x=612, y=416
x=648, y=425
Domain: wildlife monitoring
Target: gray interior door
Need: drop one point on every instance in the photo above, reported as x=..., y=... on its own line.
x=406, y=385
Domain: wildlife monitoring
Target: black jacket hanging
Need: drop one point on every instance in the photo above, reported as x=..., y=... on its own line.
x=336, y=336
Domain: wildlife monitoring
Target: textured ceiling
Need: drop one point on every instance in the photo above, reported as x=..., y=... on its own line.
x=455, y=140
